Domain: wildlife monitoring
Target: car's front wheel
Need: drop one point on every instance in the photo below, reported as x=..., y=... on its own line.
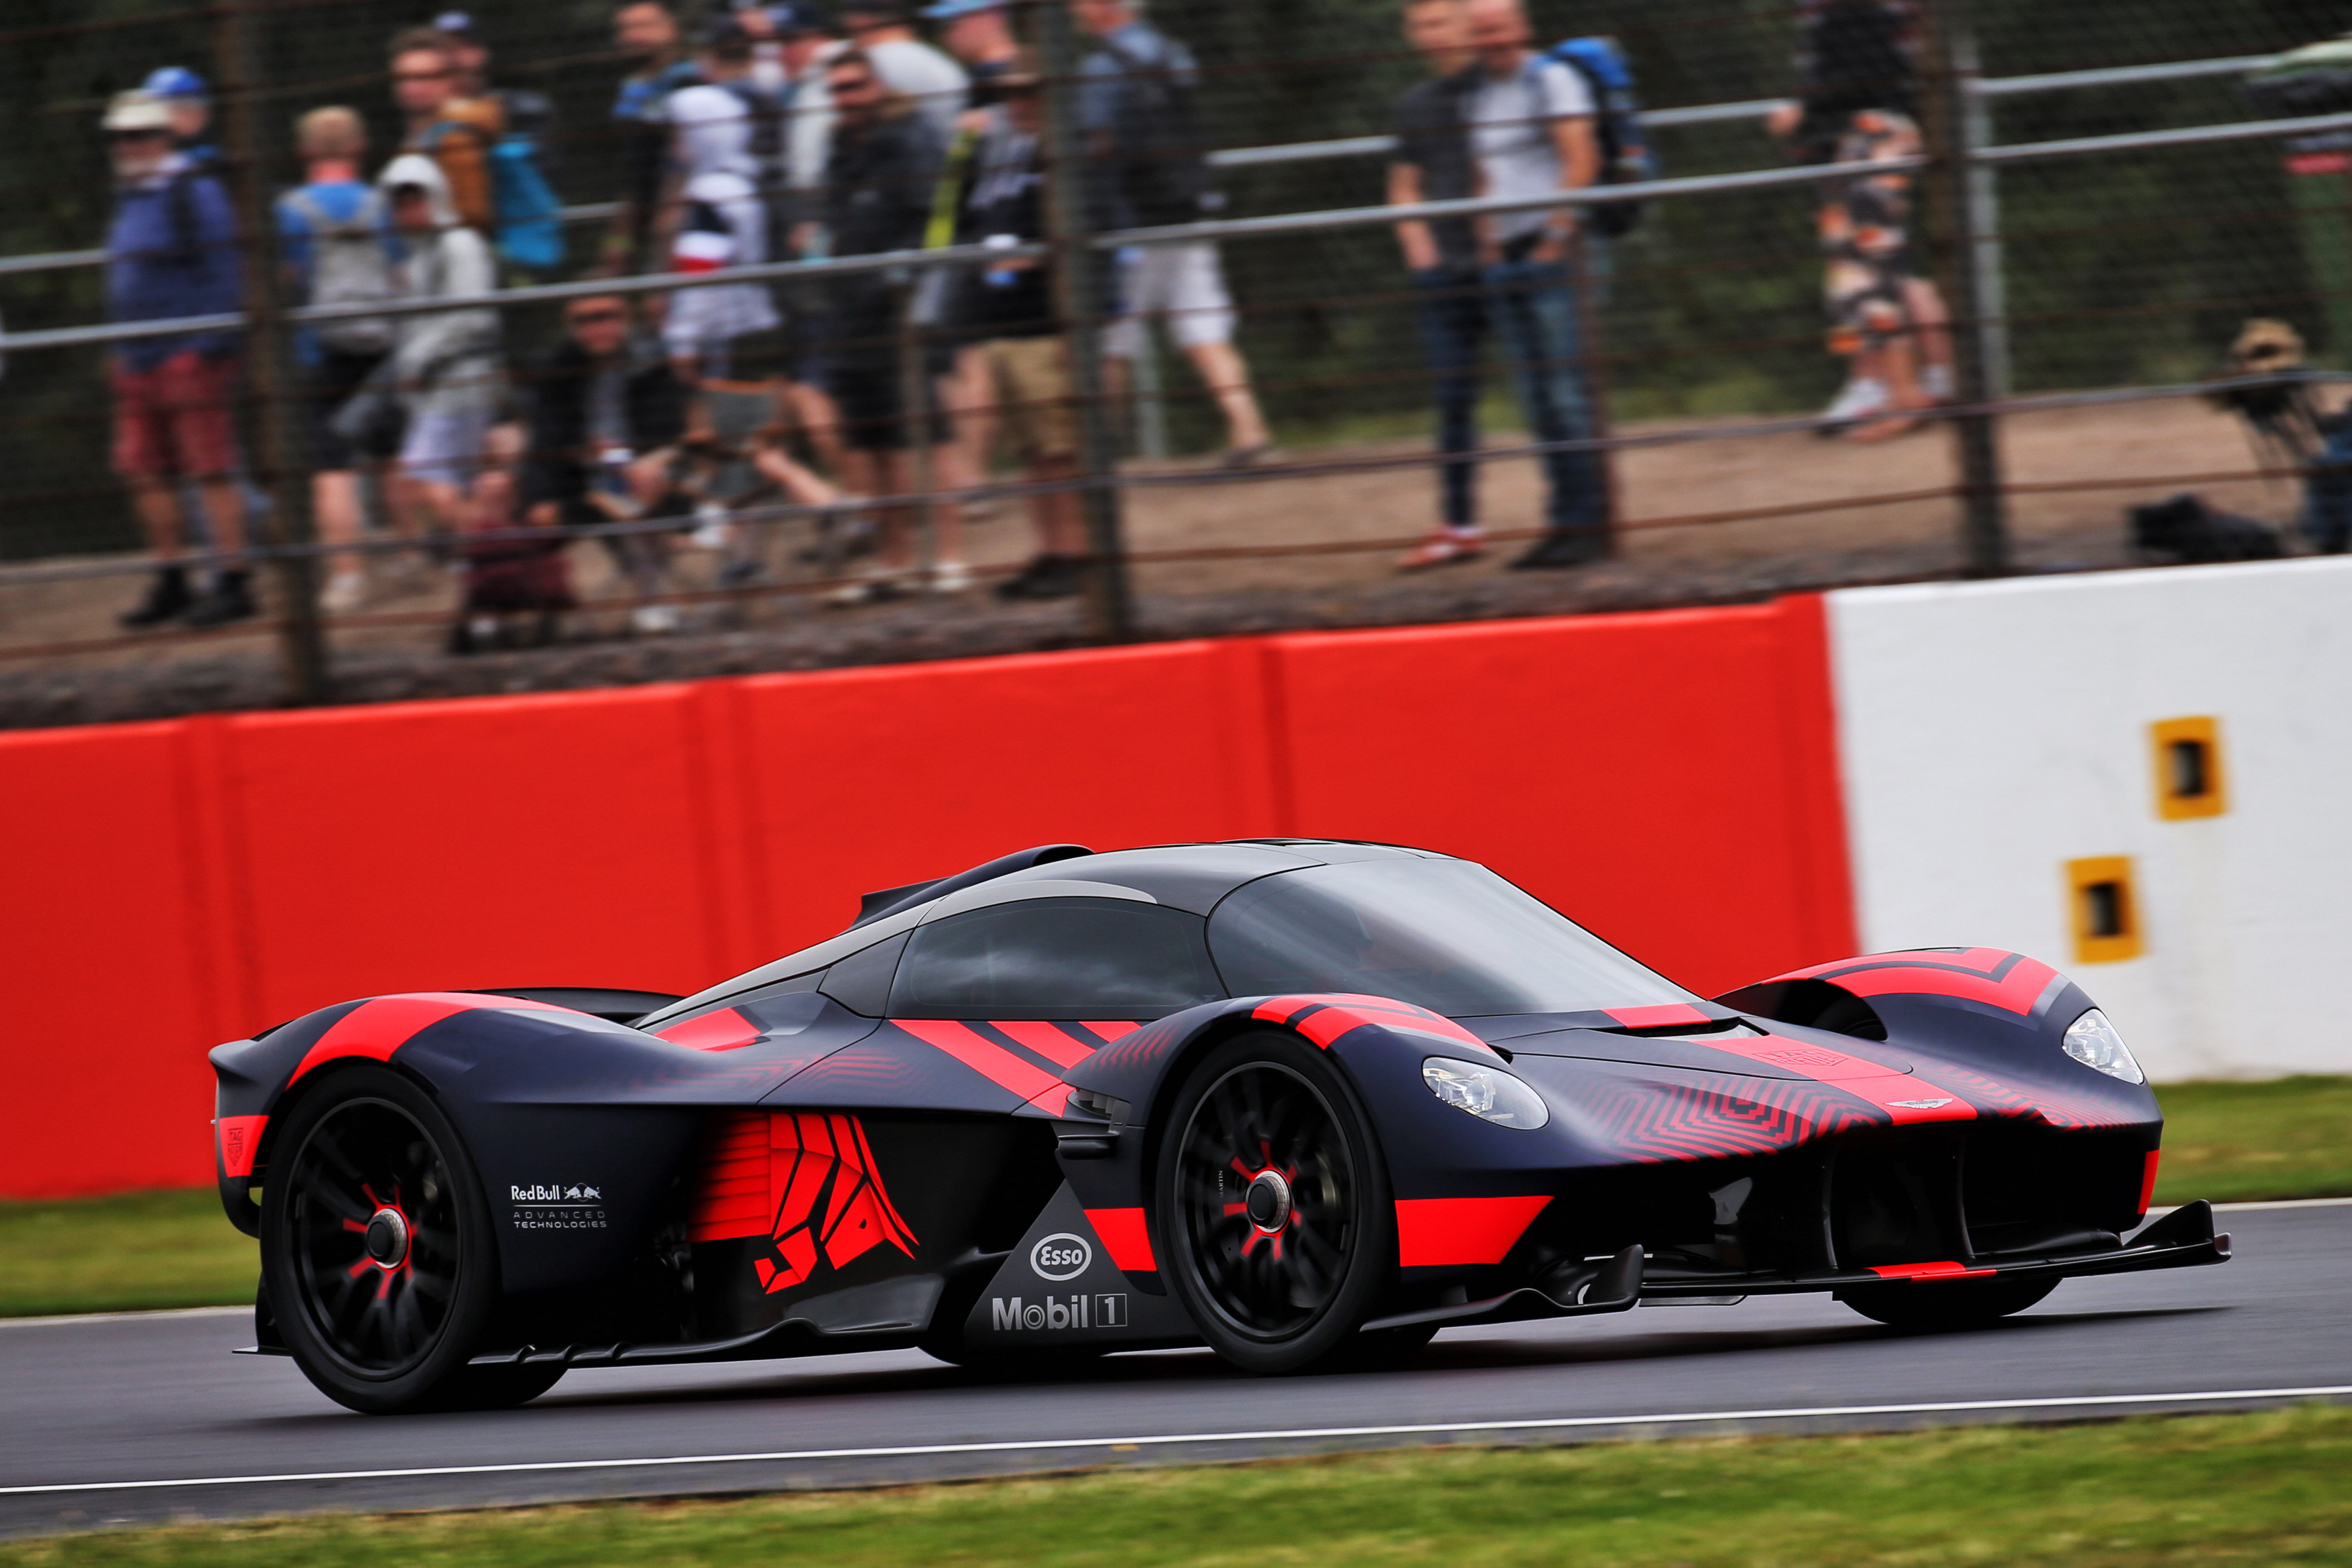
x=377, y=1252
x=1276, y=1224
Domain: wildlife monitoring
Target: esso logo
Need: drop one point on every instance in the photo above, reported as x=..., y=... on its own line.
x=1061, y=1257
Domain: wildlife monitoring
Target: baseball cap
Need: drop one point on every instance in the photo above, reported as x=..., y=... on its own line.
x=797, y=16
x=723, y=30
x=949, y=10
x=457, y=22
x=174, y=81
x=137, y=110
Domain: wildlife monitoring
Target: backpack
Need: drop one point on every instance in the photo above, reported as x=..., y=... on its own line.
x=1162, y=148
x=1625, y=154
x=526, y=216
x=348, y=266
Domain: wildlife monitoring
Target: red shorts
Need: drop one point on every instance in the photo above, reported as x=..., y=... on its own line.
x=177, y=420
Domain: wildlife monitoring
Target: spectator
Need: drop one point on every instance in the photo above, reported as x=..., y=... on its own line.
x=455, y=131
x=508, y=578
x=445, y=364
x=646, y=31
x=1145, y=142
x=759, y=20
x=172, y=251
x=190, y=101
x=1018, y=337
x=522, y=110
x=527, y=213
x=1531, y=133
x=883, y=31
x=1433, y=164
x=979, y=33
x=722, y=224
x=1858, y=97
x=808, y=47
x=878, y=188
x=606, y=416
x=336, y=233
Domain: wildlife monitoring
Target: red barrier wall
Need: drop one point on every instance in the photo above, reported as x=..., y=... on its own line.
x=1669, y=779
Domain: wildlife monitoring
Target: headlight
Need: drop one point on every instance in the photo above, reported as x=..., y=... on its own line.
x=1488, y=1093
x=2093, y=1041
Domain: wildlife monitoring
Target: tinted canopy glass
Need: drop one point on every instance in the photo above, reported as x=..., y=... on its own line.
x=1056, y=958
x=1445, y=934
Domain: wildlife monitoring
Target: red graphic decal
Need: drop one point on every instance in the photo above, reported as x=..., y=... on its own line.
x=1928, y=1271
x=1052, y=1101
x=377, y=1028
x=725, y=1030
x=984, y=1056
x=1324, y=1019
x=806, y=1180
x=1987, y=975
x=1111, y=1029
x=1440, y=1231
x=1658, y=1017
x=1045, y=1040
x=240, y=1137
x=1906, y=1097
x=2148, y=1179
x=1125, y=1237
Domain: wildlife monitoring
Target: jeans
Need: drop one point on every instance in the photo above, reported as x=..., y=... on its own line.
x=1534, y=307
x=1452, y=313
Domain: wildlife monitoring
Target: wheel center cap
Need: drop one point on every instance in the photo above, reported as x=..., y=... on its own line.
x=387, y=1237
x=1267, y=1202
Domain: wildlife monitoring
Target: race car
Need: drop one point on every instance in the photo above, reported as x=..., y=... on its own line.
x=1305, y=1102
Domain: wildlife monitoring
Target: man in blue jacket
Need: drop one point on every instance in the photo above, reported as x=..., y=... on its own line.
x=172, y=252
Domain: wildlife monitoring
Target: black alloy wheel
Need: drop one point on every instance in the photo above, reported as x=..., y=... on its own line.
x=1945, y=1305
x=1274, y=1210
x=377, y=1253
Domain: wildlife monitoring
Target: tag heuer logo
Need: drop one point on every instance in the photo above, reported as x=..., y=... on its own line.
x=1922, y=1104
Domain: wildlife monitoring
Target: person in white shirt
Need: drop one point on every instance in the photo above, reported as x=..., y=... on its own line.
x=1531, y=134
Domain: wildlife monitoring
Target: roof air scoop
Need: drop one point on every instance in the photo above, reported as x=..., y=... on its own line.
x=889, y=900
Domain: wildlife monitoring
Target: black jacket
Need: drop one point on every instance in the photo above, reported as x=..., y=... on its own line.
x=878, y=189
x=559, y=465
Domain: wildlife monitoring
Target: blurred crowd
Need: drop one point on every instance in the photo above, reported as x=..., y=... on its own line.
x=882, y=400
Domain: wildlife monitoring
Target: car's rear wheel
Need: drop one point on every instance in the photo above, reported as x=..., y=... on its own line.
x=377, y=1251
x=1946, y=1304
x=1274, y=1212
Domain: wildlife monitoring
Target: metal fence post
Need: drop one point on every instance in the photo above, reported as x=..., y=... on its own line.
x=1991, y=297
x=1077, y=297
x=273, y=376
x=1951, y=80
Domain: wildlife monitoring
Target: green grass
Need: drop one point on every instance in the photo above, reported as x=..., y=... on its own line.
x=2268, y=1488
x=2287, y=1138
x=118, y=1254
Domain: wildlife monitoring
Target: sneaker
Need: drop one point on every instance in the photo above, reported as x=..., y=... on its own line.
x=741, y=574
x=713, y=531
x=228, y=601
x=653, y=620
x=950, y=577
x=1442, y=547
x=1563, y=547
x=1248, y=457
x=1862, y=397
x=877, y=586
x=167, y=599
x=1047, y=577
x=345, y=591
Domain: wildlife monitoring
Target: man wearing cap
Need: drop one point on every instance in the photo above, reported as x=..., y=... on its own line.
x=172, y=252
x=883, y=32
x=453, y=129
x=646, y=31
x=190, y=101
x=979, y=33
x=522, y=110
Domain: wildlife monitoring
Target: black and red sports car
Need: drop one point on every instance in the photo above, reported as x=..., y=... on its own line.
x=1305, y=1102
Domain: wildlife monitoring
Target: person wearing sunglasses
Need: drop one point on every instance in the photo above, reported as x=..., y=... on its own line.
x=453, y=129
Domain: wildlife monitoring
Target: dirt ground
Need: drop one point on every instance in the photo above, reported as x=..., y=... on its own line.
x=393, y=649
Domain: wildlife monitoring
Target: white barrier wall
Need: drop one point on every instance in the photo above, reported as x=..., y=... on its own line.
x=1991, y=733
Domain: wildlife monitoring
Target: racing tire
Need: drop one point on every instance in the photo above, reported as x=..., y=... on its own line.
x=1945, y=1305
x=377, y=1252
x=1278, y=1275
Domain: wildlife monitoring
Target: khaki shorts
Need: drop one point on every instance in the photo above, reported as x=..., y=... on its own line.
x=1032, y=393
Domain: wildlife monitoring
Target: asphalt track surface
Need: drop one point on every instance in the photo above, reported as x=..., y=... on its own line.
x=156, y=1401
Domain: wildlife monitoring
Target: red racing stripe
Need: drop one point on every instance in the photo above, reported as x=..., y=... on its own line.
x=1324, y=1019
x=1044, y=1039
x=1905, y=1097
x=1987, y=975
x=1658, y=1017
x=2147, y=1180
x=376, y=1028
x=1928, y=1271
x=725, y=1030
x=1438, y=1232
x=1125, y=1237
x=984, y=1056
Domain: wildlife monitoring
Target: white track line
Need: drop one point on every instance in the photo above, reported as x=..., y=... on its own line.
x=1303, y=1434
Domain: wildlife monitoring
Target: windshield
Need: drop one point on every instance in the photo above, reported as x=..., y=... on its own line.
x=1445, y=934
